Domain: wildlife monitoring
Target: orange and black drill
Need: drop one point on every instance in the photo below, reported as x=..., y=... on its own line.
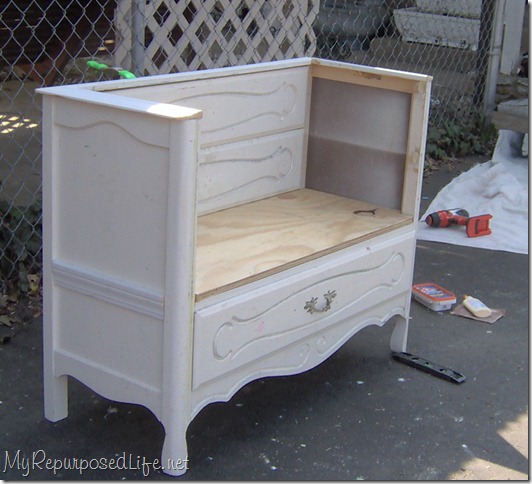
x=475, y=226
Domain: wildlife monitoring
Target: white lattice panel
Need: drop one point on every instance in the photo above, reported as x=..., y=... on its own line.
x=184, y=35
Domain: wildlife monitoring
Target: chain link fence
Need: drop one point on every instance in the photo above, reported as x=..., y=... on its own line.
x=48, y=42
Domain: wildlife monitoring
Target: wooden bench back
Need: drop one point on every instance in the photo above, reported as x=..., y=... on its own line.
x=252, y=139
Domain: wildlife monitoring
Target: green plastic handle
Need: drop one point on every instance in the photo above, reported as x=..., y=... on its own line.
x=96, y=65
x=126, y=74
x=121, y=72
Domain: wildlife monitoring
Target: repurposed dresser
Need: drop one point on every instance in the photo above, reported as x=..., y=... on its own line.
x=205, y=229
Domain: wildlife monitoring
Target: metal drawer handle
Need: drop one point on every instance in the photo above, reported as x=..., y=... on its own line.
x=310, y=306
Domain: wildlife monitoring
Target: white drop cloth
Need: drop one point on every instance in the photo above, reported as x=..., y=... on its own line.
x=498, y=187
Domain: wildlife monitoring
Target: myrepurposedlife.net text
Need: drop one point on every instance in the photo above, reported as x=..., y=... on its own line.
x=39, y=461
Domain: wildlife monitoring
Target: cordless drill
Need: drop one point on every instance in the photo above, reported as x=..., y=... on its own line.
x=475, y=226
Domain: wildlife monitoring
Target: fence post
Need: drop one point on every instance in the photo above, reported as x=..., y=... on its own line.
x=138, y=24
x=494, y=58
x=489, y=54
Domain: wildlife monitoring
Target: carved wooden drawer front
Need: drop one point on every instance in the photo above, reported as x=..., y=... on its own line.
x=241, y=330
x=263, y=165
x=238, y=107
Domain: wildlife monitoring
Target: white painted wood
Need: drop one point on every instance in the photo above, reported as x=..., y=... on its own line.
x=240, y=107
x=308, y=352
x=108, y=173
x=55, y=383
x=215, y=73
x=107, y=381
x=109, y=336
x=252, y=125
x=126, y=175
x=265, y=166
x=179, y=289
x=378, y=77
x=511, y=43
x=100, y=286
x=239, y=331
x=86, y=95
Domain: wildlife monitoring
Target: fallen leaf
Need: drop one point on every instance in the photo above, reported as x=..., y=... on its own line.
x=36, y=312
x=34, y=281
x=5, y=320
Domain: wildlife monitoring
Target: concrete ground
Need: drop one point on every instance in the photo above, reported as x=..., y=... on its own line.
x=359, y=416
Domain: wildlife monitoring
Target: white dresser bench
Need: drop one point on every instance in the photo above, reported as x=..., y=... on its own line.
x=205, y=229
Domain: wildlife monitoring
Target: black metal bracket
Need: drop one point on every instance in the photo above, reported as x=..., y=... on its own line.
x=432, y=368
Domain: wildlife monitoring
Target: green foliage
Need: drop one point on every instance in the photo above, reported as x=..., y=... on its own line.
x=20, y=243
x=451, y=139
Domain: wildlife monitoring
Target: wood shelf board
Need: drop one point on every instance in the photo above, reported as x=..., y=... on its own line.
x=245, y=243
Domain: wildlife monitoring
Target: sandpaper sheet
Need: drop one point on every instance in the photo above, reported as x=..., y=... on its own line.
x=461, y=310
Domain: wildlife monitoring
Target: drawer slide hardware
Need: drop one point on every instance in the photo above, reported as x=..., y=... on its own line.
x=311, y=306
x=428, y=367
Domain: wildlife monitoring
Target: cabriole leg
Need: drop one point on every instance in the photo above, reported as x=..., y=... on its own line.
x=399, y=335
x=174, y=457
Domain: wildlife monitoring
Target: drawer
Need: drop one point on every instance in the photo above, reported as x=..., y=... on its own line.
x=247, y=106
x=265, y=166
x=238, y=107
x=245, y=328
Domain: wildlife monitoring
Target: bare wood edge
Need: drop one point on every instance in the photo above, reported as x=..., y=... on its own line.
x=415, y=152
x=302, y=260
x=384, y=79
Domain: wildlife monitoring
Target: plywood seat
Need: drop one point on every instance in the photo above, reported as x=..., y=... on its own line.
x=251, y=241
